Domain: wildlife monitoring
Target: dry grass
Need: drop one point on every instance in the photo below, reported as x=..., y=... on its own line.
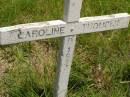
x=31, y=65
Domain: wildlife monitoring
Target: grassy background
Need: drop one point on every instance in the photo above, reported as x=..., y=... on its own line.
x=31, y=66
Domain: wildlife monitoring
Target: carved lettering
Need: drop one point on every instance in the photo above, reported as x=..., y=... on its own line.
x=20, y=34
x=27, y=34
x=34, y=33
x=62, y=30
x=101, y=24
x=96, y=25
x=68, y=52
x=55, y=30
x=41, y=32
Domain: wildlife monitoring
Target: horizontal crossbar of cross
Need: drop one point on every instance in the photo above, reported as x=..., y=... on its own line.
x=59, y=28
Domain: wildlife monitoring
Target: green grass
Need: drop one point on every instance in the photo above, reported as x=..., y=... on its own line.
x=31, y=65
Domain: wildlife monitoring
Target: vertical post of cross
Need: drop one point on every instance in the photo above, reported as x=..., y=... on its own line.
x=71, y=14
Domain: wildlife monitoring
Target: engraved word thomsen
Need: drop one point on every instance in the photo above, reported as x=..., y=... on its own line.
x=102, y=24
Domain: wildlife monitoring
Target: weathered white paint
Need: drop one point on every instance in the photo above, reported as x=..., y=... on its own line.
x=67, y=29
x=59, y=28
x=72, y=10
x=67, y=47
x=103, y=23
x=64, y=66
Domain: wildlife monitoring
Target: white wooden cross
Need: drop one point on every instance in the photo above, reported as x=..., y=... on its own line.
x=68, y=28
